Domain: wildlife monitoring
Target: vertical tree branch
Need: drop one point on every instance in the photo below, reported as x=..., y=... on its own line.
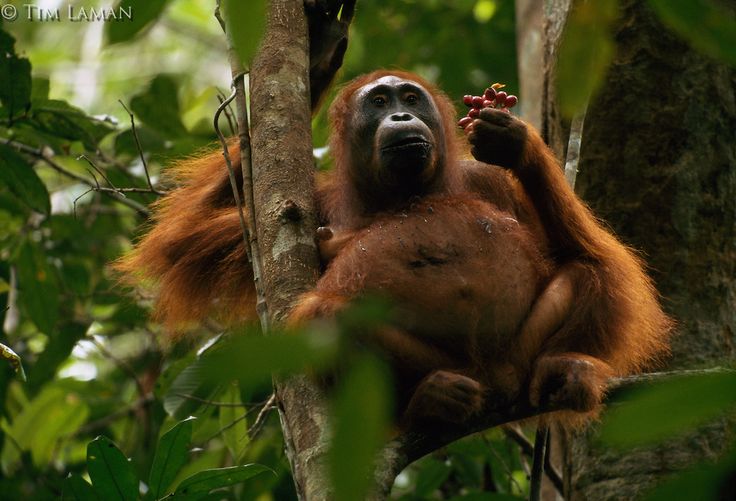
x=283, y=198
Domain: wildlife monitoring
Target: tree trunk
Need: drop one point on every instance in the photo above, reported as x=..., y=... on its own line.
x=283, y=189
x=658, y=163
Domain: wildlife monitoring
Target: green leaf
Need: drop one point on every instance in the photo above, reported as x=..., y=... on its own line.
x=113, y=476
x=77, y=489
x=63, y=120
x=172, y=453
x=207, y=480
x=233, y=421
x=15, y=77
x=253, y=359
x=245, y=22
x=144, y=13
x=192, y=381
x=40, y=89
x=585, y=53
x=486, y=496
x=21, y=179
x=706, y=26
x=707, y=481
x=662, y=410
x=431, y=476
x=14, y=360
x=361, y=417
x=39, y=291
x=158, y=106
x=53, y=415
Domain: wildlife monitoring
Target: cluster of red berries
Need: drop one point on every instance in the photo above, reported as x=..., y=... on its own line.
x=491, y=98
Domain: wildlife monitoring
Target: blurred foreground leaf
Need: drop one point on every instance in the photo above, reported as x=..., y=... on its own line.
x=659, y=411
x=361, y=416
x=585, y=53
x=245, y=22
x=706, y=26
x=704, y=482
x=253, y=359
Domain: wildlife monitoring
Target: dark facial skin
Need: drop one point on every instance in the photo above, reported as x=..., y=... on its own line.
x=397, y=139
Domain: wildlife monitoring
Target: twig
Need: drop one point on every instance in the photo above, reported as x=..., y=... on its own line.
x=257, y=424
x=214, y=403
x=261, y=417
x=504, y=464
x=549, y=468
x=139, y=147
x=572, y=159
x=540, y=450
x=527, y=448
x=238, y=73
x=228, y=113
x=231, y=175
x=122, y=364
x=141, y=402
x=44, y=154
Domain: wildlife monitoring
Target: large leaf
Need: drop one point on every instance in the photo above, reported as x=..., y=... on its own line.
x=361, y=417
x=585, y=53
x=15, y=78
x=77, y=489
x=158, y=106
x=20, y=178
x=708, y=27
x=705, y=481
x=113, y=476
x=189, y=388
x=38, y=287
x=61, y=119
x=663, y=410
x=245, y=22
x=172, y=453
x=253, y=359
x=143, y=13
x=48, y=418
x=207, y=480
x=233, y=424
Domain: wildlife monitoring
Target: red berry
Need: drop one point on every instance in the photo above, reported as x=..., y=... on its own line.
x=468, y=100
x=487, y=103
x=464, y=122
x=474, y=112
x=511, y=101
x=477, y=102
x=501, y=98
x=490, y=94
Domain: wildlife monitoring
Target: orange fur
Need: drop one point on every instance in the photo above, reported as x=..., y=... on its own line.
x=505, y=277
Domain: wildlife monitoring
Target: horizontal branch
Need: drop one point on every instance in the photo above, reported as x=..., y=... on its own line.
x=44, y=155
x=412, y=445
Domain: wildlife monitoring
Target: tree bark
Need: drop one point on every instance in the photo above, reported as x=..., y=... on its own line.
x=657, y=163
x=283, y=189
